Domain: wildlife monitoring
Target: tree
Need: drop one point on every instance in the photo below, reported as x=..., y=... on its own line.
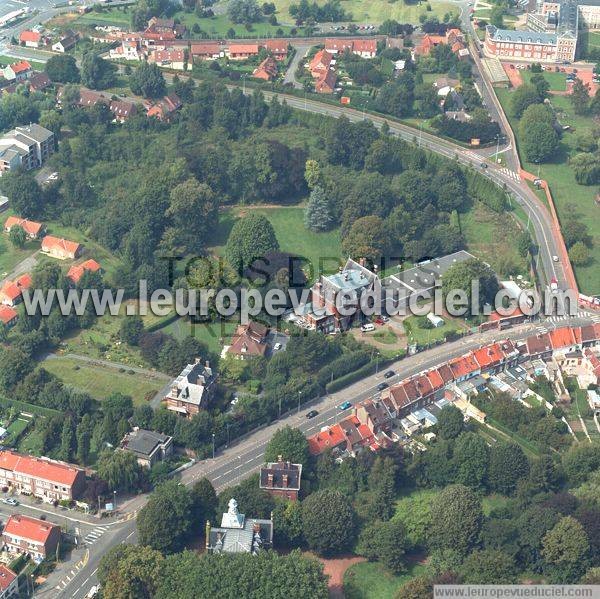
x=312, y=173
x=288, y=443
x=127, y=571
x=131, y=329
x=148, y=81
x=508, y=464
x=328, y=522
x=416, y=588
x=243, y=11
x=120, y=470
x=24, y=193
x=586, y=168
x=497, y=16
x=62, y=68
x=579, y=254
x=165, y=522
x=471, y=454
x=580, y=461
x=525, y=95
x=580, y=97
x=367, y=238
x=450, y=422
x=541, y=85
x=204, y=501
x=14, y=366
x=317, y=214
x=17, y=236
x=488, y=566
x=539, y=140
x=83, y=435
x=96, y=72
x=251, y=237
x=67, y=440
x=456, y=519
x=287, y=523
x=385, y=542
x=472, y=272
x=193, y=212
x=566, y=548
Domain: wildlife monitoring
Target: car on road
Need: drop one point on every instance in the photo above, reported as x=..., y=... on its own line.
x=345, y=405
x=389, y=374
x=312, y=414
x=93, y=591
x=555, y=259
x=10, y=501
x=382, y=386
x=483, y=165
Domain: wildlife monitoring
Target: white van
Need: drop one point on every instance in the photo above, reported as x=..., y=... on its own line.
x=367, y=327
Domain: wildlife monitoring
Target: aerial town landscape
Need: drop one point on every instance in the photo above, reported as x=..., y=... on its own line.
x=299, y=298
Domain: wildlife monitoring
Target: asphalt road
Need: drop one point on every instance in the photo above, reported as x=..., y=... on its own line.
x=244, y=457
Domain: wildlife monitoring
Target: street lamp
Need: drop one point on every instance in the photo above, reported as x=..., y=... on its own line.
x=114, y=500
x=280, y=406
x=227, y=425
x=365, y=109
x=244, y=84
x=213, y=445
x=497, y=144
x=299, y=396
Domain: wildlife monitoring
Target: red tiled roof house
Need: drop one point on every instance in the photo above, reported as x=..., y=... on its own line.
x=30, y=227
x=47, y=479
x=37, y=538
x=62, y=249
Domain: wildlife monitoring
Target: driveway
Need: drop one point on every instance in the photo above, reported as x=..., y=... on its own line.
x=290, y=75
x=23, y=267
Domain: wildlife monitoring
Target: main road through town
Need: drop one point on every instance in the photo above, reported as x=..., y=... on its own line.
x=242, y=458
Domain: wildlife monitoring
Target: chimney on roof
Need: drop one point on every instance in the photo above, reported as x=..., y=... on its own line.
x=270, y=479
x=362, y=261
x=284, y=480
x=207, y=364
x=280, y=458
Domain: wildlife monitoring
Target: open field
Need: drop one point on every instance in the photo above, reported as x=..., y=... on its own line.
x=568, y=195
x=557, y=81
x=6, y=60
x=100, y=381
x=214, y=334
x=416, y=334
x=219, y=25
x=376, y=11
x=487, y=235
x=372, y=581
x=117, y=16
x=293, y=237
x=10, y=256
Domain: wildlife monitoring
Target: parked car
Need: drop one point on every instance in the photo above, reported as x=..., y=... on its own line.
x=389, y=374
x=382, y=386
x=345, y=405
x=277, y=346
x=379, y=321
x=367, y=327
x=312, y=414
x=10, y=501
x=385, y=318
x=555, y=258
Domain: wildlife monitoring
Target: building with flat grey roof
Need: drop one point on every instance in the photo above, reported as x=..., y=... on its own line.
x=27, y=147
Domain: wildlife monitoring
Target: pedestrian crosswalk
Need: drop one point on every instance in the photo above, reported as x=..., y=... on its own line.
x=94, y=535
x=509, y=173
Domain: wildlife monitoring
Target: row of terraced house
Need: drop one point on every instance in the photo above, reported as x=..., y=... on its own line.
x=372, y=421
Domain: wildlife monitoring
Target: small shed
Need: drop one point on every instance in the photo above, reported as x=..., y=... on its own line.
x=435, y=320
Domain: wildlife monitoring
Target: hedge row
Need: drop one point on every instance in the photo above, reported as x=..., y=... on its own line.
x=352, y=377
x=342, y=366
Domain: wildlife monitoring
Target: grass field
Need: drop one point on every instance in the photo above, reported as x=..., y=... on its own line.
x=490, y=236
x=557, y=81
x=6, y=60
x=117, y=16
x=322, y=250
x=214, y=334
x=421, y=336
x=10, y=256
x=219, y=25
x=568, y=195
x=100, y=381
x=372, y=581
x=376, y=11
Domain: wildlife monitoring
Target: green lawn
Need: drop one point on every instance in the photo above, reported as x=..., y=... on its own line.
x=386, y=335
x=567, y=193
x=557, y=81
x=321, y=250
x=6, y=60
x=214, y=334
x=372, y=581
x=15, y=430
x=10, y=256
x=489, y=236
x=117, y=16
x=100, y=381
x=377, y=11
x=416, y=334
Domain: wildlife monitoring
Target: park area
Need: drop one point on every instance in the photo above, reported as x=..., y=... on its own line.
x=571, y=199
x=100, y=380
